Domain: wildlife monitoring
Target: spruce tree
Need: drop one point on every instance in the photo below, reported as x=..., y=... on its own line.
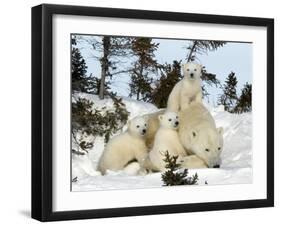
x=170, y=76
x=110, y=50
x=209, y=79
x=80, y=81
x=198, y=47
x=90, y=120
x=78, y=71
x=244, y=103
x=229, y=96
x=173, y=176
x=141, y=81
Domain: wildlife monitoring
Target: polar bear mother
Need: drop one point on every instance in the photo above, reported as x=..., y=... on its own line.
x=199, y=135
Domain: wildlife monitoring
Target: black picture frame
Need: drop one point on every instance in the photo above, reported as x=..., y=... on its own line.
x=42, y=111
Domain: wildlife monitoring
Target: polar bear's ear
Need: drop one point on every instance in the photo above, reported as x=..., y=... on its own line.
x=220, y=130
x=160, y=117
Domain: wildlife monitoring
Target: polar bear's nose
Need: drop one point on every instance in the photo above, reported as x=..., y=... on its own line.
x=191, y=75
x=217, y=166
x=144, y=130
x=176, y=122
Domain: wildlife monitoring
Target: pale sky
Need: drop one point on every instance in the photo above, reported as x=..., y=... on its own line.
x=236, y=57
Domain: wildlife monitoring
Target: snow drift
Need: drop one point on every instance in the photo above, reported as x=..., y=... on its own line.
x=236, y=166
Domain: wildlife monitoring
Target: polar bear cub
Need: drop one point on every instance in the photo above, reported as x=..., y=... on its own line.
x=166, y=139
x=188, y=89
x=125, y=147
x=198, y=134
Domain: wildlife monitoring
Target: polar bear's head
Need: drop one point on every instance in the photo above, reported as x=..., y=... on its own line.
x=192, y=71
x=208, y=144
x=138, y=126
x=169, y=120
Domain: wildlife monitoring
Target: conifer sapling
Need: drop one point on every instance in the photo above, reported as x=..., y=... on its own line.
x=173, y=176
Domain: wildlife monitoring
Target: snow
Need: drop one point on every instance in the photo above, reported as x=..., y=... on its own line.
x=236, y=165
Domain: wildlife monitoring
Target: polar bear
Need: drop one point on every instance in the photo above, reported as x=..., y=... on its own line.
x=199, y=135
x=153, y=124
x=166, y=139
x=188, y=89
x=193, y=162
x=125, y=147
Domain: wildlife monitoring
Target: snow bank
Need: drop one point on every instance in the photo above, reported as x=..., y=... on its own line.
x=236, y=166
x=134, y=107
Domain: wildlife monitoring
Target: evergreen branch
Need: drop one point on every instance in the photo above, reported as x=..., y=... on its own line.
x=189, y=58
x=172, y=176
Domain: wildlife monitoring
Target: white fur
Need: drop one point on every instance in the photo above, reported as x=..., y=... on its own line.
x=125, y=147
x=166, y=139
x=188, y=89
x=193, y=162
x=153, y=125
x=199, y=135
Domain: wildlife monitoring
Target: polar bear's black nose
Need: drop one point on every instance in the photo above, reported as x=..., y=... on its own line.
x=191, y=75
x=176, y=122
x=144, y=130
x=217, y=166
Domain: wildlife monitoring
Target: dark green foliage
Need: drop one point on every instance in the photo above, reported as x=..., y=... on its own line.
x=145, y=64
x=140, y=86
x=96, y=86
x=201, y=47
x=170, y=76
x=86, y=119
x=115, y=119
x=172, y=176
x=94, y=121
x=80, y=82
x=244, y=102
x=112, y=50
x=208, y=79
x=229, y=96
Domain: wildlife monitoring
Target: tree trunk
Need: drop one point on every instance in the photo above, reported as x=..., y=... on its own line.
x=139, y=78
x=104, y=65
x=191, y=51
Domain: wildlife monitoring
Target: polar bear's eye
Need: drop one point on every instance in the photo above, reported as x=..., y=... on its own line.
x=144, y=124
x=138, y=126
x=219, y=148
x=170, y=119
x=195, y=69
x=207, y=150
x=187, y=69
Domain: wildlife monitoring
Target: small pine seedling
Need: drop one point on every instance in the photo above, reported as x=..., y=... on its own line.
x=172, y=176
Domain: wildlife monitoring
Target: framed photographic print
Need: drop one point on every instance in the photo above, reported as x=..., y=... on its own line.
x=146, y=112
